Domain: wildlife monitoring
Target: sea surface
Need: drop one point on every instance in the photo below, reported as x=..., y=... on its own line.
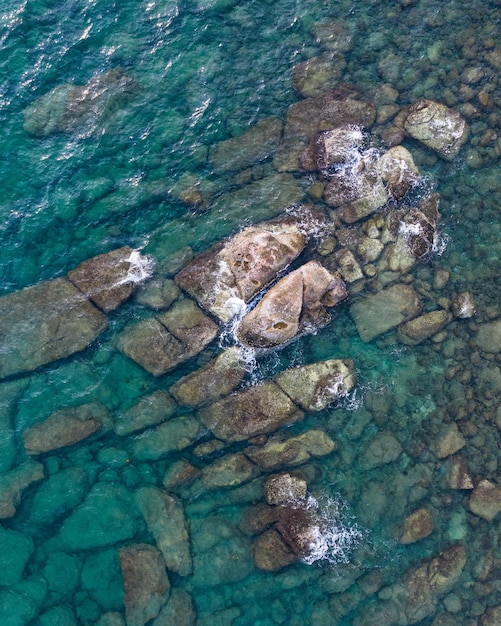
x=134, y=169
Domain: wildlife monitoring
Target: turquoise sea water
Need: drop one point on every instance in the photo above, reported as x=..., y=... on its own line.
x=200, y=72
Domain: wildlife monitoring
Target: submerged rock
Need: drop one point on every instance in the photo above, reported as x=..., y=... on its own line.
x=314, y=76
x=228, y=471
x=230, y=273
x=216, y=379
x=68, y=107
x=447, y=441
x=178, y=610
x=65, y=428
x=151, y=410
x=423, y=327
x=175, y=434
x=313, y=387
x=488, y=336
x=161, y=343
x=15, y=552
x=457, y=474
x=416, y=526
x=146, y=585
x=485, y=500
x=463, y=306
x=382, y=449
x=390, y=307
x=109, y=279
x=438, y=127
x=294, y=305
x=164, y=517
x=260, y=409
x=13, y=483
x=279, y=452
x=44, y=323
x=271, y=553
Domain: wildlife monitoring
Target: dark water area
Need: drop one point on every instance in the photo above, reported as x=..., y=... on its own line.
x=116, y=119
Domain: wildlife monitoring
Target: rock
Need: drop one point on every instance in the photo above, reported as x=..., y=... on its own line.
x=180, y=474
x=313, y=387
x=62, y=573
x=284, y=489
x=13, y=483
x=463, y=306
x=338, y=145
x=158, y=293
x=164, y=517
x=218, y=378
x=44, y=323
x=390, y=307
x=492, y=616
x=232, y=272
x=382, y=449
x=57, y=496
x=109, y=279
x=457, y=474
x=333, y=35
x=175, y=434
x=294, y=305
x=416, y=526
x=278, y=452
x=228, y=471
x=161, y=343
x=423, y=327
x=178, y=610
x=271, y=553
x=438, y=127
x=146, y=585
x=303, y=531
x=58, y=616
x=314, y=76
x=256, y=144
x=101, y=579
x=488, y=336
x=15, y=552
x=349, y=268
x=256, y=410
x=398, y=171
x=68, y=107
x=485, y=500
x=448, y=441
x=105, y=517
x=151, y=410
x=65, y=428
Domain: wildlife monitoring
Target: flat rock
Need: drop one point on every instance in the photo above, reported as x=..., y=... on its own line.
x=485, y=500
x=218, y=378
x=256, y=144
x=260, y=409
x=314, y=76
x=65, y=428
x=284, y=489
x=294, y=305
x=159, y=344
x=146, y=586
x=313, y=387
x=158, y=293
x=179, y=610
x=423, y=327
x=271, y=553
x=279, y=451
x=44, y=323
x=488, y=336
x=109, y=279
x=457, y=474
x=13, y=484
x=382, y=449
x=228, y=471
x=416, y=526
x=390, y=307
x=164, y=517
x=151, y=410
x=232, y=272
x=438, y=127
x=447, y=441
x=174, y=435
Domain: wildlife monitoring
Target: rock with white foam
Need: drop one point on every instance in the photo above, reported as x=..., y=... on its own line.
x=296, y=304
x=438, y=127
x=284, y=489
x=398, y=171
x=232, y=272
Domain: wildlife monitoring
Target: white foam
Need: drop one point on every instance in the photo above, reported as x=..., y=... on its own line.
x=140, y=269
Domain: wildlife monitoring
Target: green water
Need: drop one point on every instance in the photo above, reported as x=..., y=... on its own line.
x=204, y=71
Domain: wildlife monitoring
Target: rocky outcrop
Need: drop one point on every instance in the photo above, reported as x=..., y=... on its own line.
x=279, y=452
x=146, y=586
x=161, y=343
x=438, y=127
x=296, y=304
x=390, y=307
x=69, y=107
x=232, y=272
x=65, y=428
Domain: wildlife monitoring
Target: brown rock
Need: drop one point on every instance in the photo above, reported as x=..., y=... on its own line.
x=14, y=483
x=398, y=171
x=314, y=76
x=485, y=500
x=448, y=441
x=416, y=526
x=463, y=306
x=457, y=474
x=423, y=327
x=284, y=489
x=301, y=529
x=271, y=553
x=146, y=586
x=262, y=408
x=228, y=471
x=337, y=145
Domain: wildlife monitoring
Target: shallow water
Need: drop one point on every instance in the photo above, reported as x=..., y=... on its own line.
x=203, y=71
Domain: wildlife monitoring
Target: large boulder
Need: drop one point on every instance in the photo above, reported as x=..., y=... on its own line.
x=161, y=343
x=68, y=107
x=165, y=519
x=315, y=386
x=216, y=379
x=296, y=304
x=438, y=127
x=44, y=323
x=109, y=279
x=232, y=272
x=65, y=428
x=146, y=586
x=259, y=409
x=390, y=307
x=423, y=327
